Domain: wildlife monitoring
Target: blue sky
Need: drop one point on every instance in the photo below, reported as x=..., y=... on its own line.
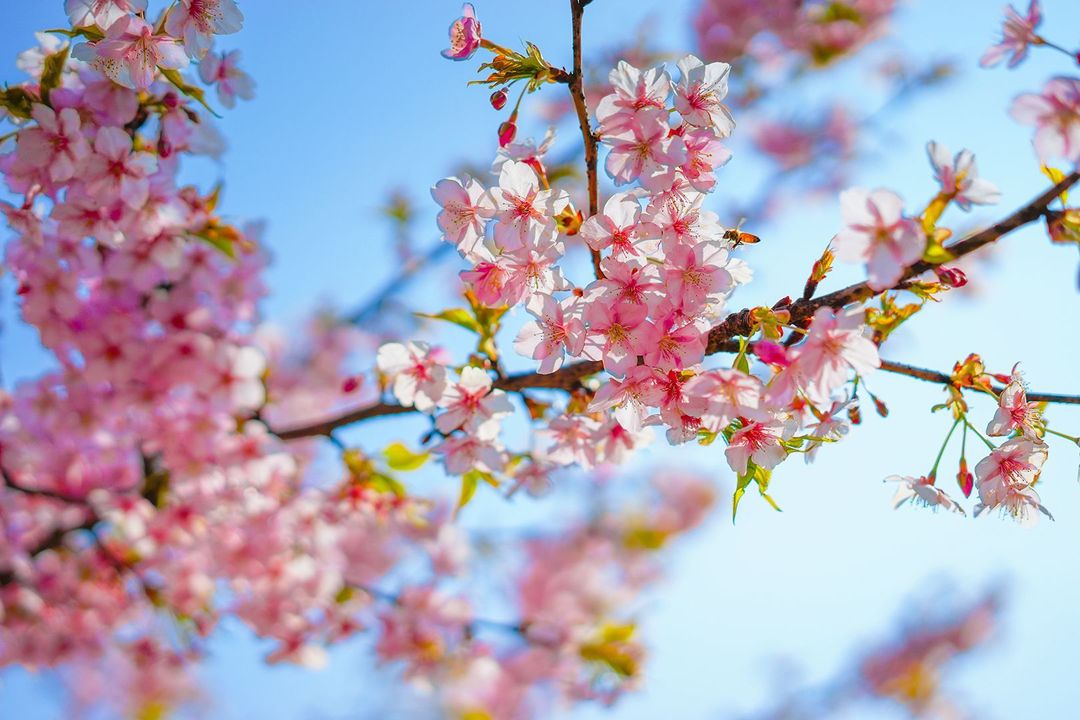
x=353, y=100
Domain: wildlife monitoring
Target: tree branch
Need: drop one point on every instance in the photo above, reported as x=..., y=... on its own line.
x=577, y=93
x=721, y=337
x=941, y=378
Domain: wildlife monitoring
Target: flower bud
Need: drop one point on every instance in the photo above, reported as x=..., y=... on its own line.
x=507, y=131
x=953, y=276
x=964, y=478
x=498, y=99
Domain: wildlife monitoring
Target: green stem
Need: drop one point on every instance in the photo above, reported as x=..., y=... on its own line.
x=1063, y=435
x=941, y=452
x=981, y=436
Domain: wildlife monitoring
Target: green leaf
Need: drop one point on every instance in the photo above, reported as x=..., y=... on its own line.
x=18, y=102
x=756, y=474
x=458, y=316
x=469, y=481
x=400, y=457
x=51, y=72
x=936, y=253
x=195, y=93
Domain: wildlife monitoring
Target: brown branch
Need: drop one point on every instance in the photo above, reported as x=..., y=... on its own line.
x=721, y=337
x=395, y=285
x=577, y=93
x=941, y=378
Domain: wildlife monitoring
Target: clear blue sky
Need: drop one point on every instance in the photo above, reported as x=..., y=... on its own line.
x=353, y=99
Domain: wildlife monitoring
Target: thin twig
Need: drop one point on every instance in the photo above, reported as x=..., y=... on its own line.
x=941, y=378
x=577, y=93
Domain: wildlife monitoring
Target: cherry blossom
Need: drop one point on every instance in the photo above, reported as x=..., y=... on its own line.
x=1056, y=117
x=700, y=93
x=1005, y=479
x=465, y=35
x=760, y=441
x=1017, y=34
x=550, y=335
x=959, y=177
x=639, y=96
x=836, y=345
x=471, y=403
x=131, y=53
x=642, y=148
x=921, y=490
x=1015, y=413
x=466, y=207
x=115, y=171
x=56, y=145
x=102, y=13
x=877, y=233
x=223, y=72
x=197, y=21
x=614, y=227
x=417, y=373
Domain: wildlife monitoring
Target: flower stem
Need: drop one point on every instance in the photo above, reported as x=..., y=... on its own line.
x=981, y=436
x=941, y=452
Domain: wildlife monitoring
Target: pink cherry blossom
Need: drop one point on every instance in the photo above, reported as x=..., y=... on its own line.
x=551, y=335
x=615, y=226
x=630, y=397
x=613, y=334
x=115, y=171
x=1017, y=34
x=760, y=441
x=637, y=96
x=1015, y=413
x=721, y=396
x=836, y=345
x=471, y=451
x=223, y=72
x=417, y=373
x=1005, y=479
x=465, y=35
x=519, y=201
x=877, y=233
x=472, y=404
x=700, y=93
x=921, y=490
x=131, y=53
x=959, y=177
x=55, y=146
x=704, y=153
x=642, y=148
x=667, y=343
x=102, y=13
x=694, y=276
x=466, y=208
x=197, y=21
x=1056, y=117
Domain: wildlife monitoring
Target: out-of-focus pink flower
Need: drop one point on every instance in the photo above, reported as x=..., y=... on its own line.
x=1017, y=34
x=56, y=146
x=465, y=35
x=959, y=177
x=222, y=71
x=1056, y=117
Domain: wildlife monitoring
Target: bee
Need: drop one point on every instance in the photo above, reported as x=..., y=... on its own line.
x=738, y=237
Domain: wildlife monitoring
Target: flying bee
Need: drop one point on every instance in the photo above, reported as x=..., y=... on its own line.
x=738, y=237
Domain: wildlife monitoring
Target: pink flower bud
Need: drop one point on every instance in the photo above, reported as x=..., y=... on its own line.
x=953, y=277
x=351, y=384
x=507, y=131
x=498, y=99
